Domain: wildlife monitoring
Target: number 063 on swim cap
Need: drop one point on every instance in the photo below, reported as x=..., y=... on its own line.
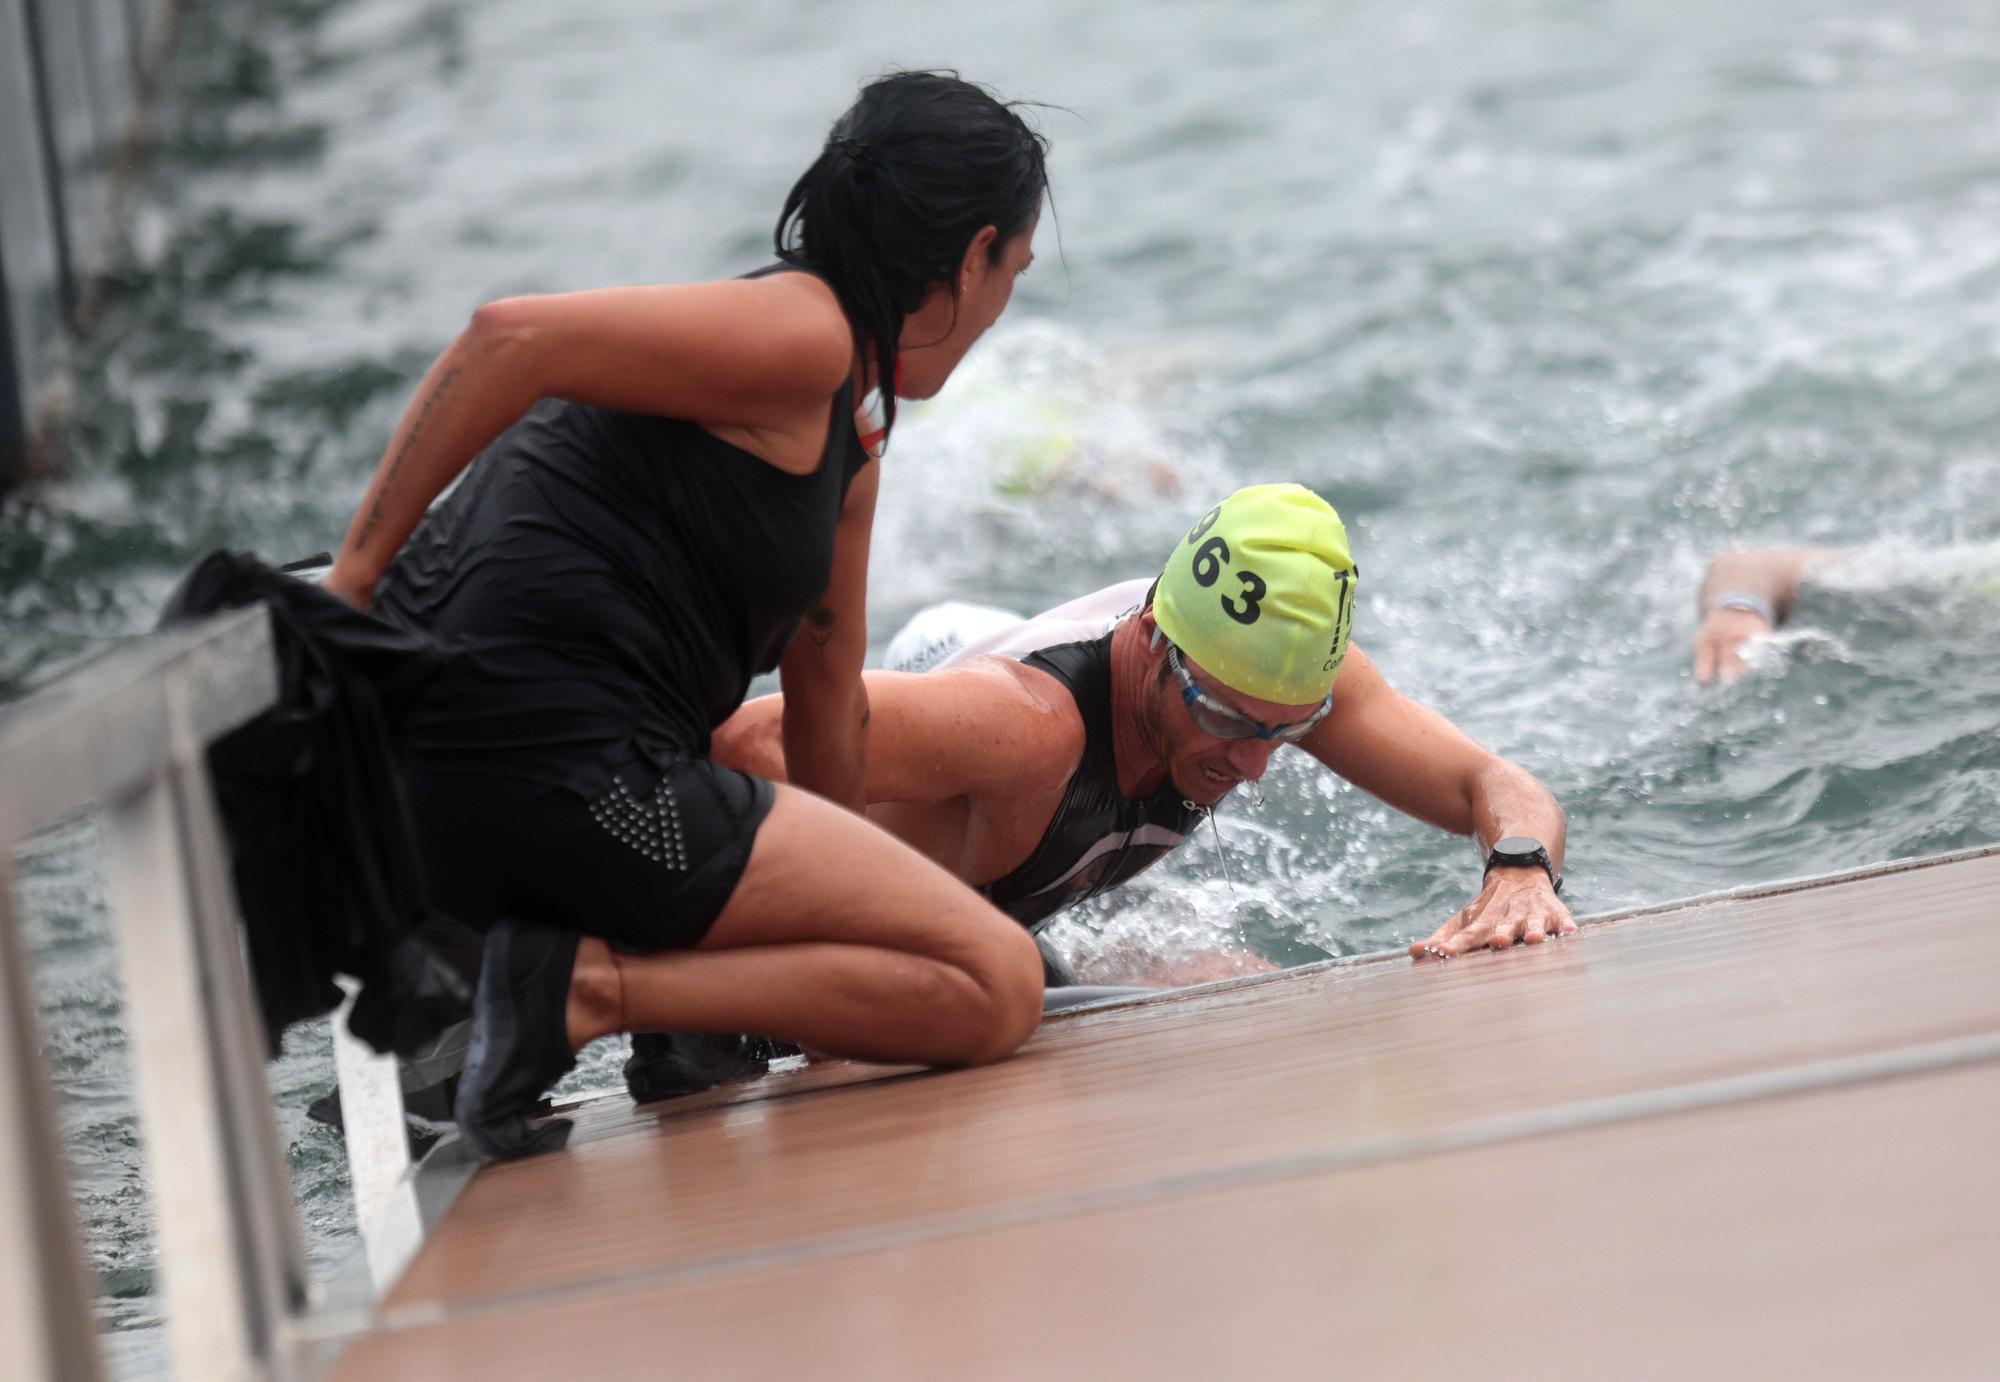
x=1260, y=593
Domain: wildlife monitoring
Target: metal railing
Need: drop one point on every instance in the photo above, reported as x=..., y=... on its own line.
x=128, y=736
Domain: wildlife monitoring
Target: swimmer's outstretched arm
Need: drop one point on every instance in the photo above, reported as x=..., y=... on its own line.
x=761, y=356
x=1423, y=765
x=1742, y=595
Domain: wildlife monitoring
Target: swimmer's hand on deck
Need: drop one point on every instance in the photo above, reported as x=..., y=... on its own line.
x=1515, y=905
x=1719, y=640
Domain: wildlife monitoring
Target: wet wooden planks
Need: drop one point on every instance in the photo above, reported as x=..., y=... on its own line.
x=1681, y=1110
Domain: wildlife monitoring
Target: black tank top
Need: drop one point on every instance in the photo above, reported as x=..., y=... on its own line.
x=604, y=579
x=1098, y=837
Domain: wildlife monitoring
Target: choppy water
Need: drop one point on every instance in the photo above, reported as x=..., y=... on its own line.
x=1550, y=299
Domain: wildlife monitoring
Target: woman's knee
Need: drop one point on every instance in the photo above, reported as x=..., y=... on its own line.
x=1008, y=970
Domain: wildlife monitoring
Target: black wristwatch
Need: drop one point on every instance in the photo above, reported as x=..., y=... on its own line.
x=1520, y=852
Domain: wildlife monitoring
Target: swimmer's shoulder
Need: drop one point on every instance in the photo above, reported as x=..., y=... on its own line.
x=1027, y=722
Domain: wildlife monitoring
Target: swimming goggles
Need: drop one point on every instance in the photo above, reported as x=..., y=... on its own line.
x=1219, y=721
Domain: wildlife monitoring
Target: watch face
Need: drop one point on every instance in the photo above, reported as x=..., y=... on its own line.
x=1522, y=847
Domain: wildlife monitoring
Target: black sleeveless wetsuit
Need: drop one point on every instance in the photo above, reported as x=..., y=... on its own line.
x=607, y=583
x=1098, y=837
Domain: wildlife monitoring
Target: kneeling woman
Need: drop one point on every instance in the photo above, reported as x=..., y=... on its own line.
x=671, y=482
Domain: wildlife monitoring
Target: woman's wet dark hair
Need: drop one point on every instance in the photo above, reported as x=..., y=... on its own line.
x=915, y=168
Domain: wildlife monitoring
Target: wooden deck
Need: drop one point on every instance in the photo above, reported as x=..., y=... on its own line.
x=1743, y=1137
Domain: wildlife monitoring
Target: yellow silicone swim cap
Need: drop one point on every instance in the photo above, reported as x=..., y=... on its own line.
x=1261, y=593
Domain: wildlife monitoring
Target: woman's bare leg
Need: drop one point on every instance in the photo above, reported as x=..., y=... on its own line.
x=838, y=937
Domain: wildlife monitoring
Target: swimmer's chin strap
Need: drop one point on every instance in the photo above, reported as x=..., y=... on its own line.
x=1220, y=852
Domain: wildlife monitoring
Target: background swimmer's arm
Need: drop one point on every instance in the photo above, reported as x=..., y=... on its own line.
x=763, y=355
x=1423, y=765
x=1770, y=576
x=825, y=710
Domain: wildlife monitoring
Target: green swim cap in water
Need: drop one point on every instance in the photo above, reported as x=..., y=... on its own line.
x=1261, y=593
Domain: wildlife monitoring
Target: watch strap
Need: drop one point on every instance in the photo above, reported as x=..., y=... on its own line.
x=1540, y=855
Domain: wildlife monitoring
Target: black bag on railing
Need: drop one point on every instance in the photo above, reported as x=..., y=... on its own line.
x=312, y=801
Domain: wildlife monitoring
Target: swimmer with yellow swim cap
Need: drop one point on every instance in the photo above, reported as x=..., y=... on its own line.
x=1048, y=760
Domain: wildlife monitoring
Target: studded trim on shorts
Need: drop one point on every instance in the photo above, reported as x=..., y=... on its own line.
x=653, y=828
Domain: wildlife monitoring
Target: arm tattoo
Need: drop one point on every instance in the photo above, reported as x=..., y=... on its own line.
x=368, y=524
x=820, y=620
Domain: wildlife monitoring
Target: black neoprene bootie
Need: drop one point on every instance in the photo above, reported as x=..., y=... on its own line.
x=520, y=1040
x=665, y=1065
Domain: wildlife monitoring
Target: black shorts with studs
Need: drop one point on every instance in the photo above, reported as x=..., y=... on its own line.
x=647, y=862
